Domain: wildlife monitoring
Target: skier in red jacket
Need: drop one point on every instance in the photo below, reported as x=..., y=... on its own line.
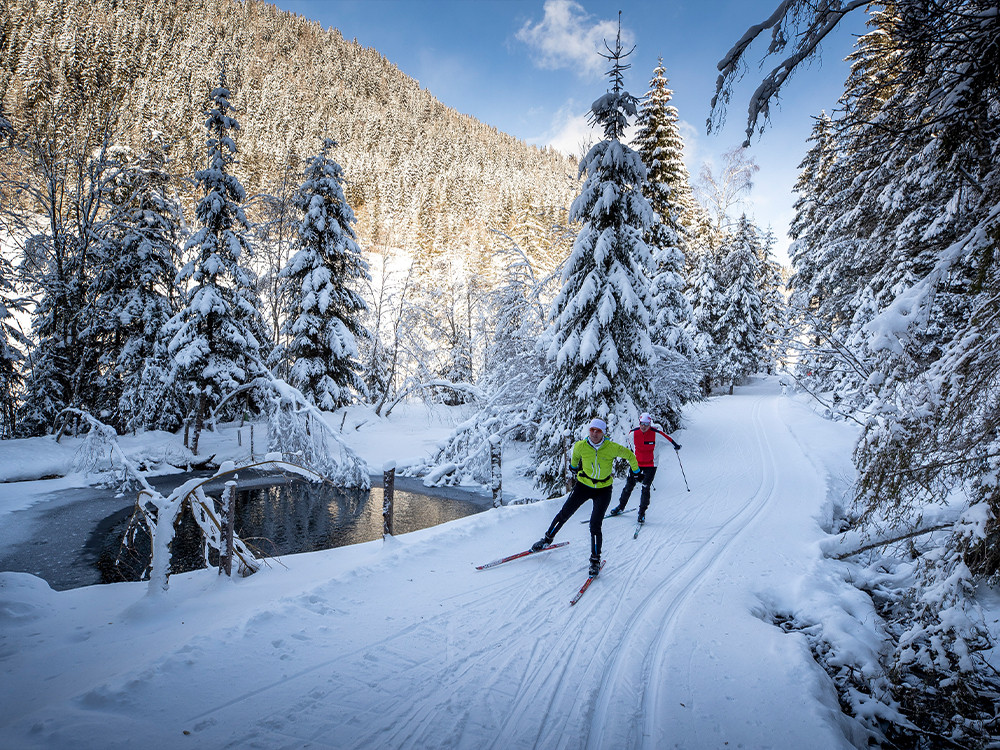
x=643, y=441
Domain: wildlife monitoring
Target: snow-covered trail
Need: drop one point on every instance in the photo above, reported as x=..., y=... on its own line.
x=406, y=645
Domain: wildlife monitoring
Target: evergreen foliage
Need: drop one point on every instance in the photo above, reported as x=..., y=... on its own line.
x=706, y=294
x=740, y=326
x=295, y=80
x=323, y=321
x=895, y=282
x=598, y=342
x=133, y=286
x=668, y=190
x=219, y=336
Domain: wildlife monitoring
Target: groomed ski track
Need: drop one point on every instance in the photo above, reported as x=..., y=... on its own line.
x=406, y=645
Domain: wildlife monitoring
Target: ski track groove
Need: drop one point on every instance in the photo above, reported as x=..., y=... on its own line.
x=654, y=618
x=566, y=693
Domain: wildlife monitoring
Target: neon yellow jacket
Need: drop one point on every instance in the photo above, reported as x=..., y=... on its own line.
x=592, y=466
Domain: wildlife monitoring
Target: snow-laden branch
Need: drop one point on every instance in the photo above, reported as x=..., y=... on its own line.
x=158, y=513
x=467, y=388
x=297, y=427
x=825, y=17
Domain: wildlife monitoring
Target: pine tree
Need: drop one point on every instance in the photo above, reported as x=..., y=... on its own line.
x=598, y=342
x=668, y=188
x=133, y=289
x=896, y=259
x=773, y=306
x=740, y=327
x=812, y=216
x=323, y=323
x=707, y=305
x=218, y=338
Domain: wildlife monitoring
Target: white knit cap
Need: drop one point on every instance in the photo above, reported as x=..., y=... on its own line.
x=644, y=418
x=599, y=424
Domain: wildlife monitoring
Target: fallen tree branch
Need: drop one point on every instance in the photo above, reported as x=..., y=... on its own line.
x=886, y=542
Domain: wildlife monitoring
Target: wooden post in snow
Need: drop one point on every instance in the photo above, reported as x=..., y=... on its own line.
x=496, y=470
x=388, y=488
x=227, y=521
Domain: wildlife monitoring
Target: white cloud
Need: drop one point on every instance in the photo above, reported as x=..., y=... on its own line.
x=693, y=153
x=569, y=131
x=569, y=37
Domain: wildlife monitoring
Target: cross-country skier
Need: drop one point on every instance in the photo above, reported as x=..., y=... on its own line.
x=643, y=441
x=591, y=464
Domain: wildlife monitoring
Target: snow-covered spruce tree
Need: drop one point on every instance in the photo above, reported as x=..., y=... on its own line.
x=775, y=334
x=668, y=187
x=659, y=143
x=323, y=323
x=706, y=295
x=133, y=286
x=811, y=214
x=741, y=325
x=810, y=284
x=598, y=341
x=13, y=344
x=219, y=336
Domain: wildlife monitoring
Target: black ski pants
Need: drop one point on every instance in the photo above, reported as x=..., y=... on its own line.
x=648, y=472
x=582, y=493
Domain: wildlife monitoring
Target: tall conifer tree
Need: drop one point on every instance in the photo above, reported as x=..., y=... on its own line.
x=217, y=339
x=740, y=328
x=133, y=287
x=323, y=323
x=598, y=342
x=668, y=190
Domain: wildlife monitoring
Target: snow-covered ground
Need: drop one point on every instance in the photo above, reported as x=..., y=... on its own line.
x=403, y=644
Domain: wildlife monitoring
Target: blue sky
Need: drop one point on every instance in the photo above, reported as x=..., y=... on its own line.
x=531, y=69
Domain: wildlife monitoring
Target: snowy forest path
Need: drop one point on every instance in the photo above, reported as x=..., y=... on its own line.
x=682, y=556
x=403, y=644
x=595, y=675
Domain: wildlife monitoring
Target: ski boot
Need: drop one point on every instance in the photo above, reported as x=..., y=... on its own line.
x=595, y=565
x=616, y=511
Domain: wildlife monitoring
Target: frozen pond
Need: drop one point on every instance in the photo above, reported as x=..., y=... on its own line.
x=71, y=538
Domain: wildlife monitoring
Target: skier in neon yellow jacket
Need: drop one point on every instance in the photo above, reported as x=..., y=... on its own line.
x=591, y=464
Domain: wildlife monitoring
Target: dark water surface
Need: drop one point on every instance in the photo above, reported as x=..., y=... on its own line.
x=72, y=539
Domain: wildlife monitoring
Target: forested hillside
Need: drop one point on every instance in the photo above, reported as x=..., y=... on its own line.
x=419, y=174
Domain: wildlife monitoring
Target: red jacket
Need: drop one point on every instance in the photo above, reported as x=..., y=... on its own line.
x=645, y=445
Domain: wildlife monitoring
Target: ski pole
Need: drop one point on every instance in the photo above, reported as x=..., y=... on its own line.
x=677, y=453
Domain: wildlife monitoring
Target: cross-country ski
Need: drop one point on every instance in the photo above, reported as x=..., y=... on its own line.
x=586, y=585
x=519, y=555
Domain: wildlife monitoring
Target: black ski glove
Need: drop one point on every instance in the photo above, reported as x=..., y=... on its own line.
x=677, y=446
